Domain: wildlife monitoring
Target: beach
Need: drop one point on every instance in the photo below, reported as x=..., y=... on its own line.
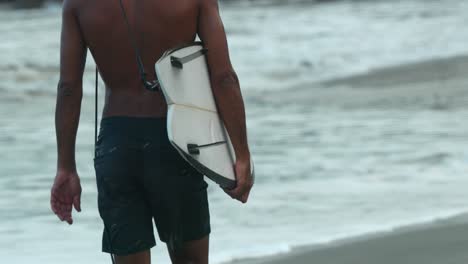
x=356, y=115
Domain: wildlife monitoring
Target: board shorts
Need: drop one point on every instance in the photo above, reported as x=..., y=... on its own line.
x=140, y=178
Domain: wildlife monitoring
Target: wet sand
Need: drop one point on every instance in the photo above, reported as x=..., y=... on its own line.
x=442, y=242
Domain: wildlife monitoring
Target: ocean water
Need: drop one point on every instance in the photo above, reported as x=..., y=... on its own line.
x=323, y=173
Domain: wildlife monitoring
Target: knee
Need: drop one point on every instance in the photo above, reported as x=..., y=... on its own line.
x=185, y=257
x=194, y=252
x=189, y=259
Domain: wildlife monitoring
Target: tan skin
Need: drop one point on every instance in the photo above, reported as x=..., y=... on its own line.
x=158, y=25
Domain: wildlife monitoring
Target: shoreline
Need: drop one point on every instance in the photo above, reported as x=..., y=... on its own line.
x=430, y=70
x=436, y=242
x=437, y=84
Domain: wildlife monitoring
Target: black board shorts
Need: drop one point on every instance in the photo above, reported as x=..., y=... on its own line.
x=141, y=177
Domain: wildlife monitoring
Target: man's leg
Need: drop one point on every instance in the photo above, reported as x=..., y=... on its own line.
x=192, y=252
x=177, y=194
x=138, y=258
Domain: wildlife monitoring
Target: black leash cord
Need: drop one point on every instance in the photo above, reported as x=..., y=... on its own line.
x=134, y=44
x=95, y=144
x=151, y=85
x=96, y=111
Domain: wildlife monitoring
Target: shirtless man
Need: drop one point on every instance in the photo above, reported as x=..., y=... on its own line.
x=140, y=177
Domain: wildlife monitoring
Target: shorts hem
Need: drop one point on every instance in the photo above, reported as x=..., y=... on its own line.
x=128, y=252
x=198, y=236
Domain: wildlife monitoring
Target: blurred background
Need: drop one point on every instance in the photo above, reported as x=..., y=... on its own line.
x=357, y=115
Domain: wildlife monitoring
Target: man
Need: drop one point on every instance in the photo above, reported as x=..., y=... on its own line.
x=140, y=177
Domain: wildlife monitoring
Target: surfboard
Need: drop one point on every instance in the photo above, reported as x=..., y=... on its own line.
x=194, y=126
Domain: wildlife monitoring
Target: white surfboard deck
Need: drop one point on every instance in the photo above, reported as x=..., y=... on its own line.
x=192, y=114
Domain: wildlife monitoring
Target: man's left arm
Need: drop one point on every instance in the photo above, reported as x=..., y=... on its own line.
x=66, y=190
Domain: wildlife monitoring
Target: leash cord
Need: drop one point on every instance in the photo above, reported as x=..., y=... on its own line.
x=141, y=68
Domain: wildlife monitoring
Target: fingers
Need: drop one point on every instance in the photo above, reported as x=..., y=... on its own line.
x=245, y=197
x=54, y=207
x=242, y=190
x=244, y=182
x=231, y=193
x=240, y=193
x=64, y=214
x=65, y=194
x=77, y=203
x=61, y=208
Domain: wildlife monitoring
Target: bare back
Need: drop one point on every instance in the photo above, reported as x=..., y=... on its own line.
x=156, y=26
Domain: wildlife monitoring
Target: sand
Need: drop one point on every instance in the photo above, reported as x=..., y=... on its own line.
x=443, y=242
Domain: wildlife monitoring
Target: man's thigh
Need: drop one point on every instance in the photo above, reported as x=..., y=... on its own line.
x=193, y=252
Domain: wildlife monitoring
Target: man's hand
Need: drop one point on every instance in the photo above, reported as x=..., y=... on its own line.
x=66, y=192
x=245, y=181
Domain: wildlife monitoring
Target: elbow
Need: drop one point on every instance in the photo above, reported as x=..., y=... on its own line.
x=70, y=89
x=226, y=80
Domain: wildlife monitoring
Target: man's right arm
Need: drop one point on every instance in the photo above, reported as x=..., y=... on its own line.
x=66, y=191
x=227, y=93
